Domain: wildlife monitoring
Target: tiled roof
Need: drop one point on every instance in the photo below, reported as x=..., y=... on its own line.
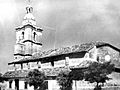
x=64, y=50
x=48, y=71
x=19, y=73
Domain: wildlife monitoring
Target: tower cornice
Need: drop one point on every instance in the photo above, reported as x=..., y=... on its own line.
x=22, y=54
x=33, y=26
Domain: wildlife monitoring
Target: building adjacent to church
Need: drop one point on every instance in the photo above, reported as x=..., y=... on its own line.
x=28, y=56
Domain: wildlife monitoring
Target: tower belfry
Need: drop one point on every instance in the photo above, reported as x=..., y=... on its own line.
x=28, y=36
x=29, y=18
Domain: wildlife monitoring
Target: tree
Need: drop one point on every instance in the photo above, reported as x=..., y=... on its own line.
x=64, y=80
x=97, y=72
x=77, y=74
x=1, y=78
x=36, y=78
x=66, y=76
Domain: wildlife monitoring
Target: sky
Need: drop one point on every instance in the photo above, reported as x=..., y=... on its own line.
x=65, y=23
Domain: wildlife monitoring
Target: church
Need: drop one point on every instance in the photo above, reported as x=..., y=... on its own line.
x=28, y=56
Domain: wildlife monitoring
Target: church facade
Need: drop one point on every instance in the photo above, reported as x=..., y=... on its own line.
x=28, y=56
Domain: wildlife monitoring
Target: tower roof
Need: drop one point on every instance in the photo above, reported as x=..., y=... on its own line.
x=29, y=18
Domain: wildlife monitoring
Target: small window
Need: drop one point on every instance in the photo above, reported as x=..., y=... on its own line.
x=21, y=66
x=22, y=35
x=52, y=63
x=15, y=57
x=98, y=58
x=34, y=36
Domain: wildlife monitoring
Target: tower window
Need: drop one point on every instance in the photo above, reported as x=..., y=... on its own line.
x=21, y=66
x=22, y=35
x=34, y=36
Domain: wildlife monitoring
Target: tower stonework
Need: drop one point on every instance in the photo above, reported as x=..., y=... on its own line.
x=28, y=37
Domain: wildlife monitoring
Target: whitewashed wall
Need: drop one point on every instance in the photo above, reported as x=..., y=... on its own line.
x=53, y=85
x=13, y=84
x=21, y=84
x=11, y=67
x=30, y=87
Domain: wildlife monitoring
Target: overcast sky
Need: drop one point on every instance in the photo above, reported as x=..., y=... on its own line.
x=65, y=23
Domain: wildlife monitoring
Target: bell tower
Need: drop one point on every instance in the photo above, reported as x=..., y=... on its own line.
x=28, y=36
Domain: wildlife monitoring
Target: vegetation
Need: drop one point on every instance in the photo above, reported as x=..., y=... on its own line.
x=1, y=78
x=36, y=78
x=64, y=80
x=97, y=72
x=76, y=74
